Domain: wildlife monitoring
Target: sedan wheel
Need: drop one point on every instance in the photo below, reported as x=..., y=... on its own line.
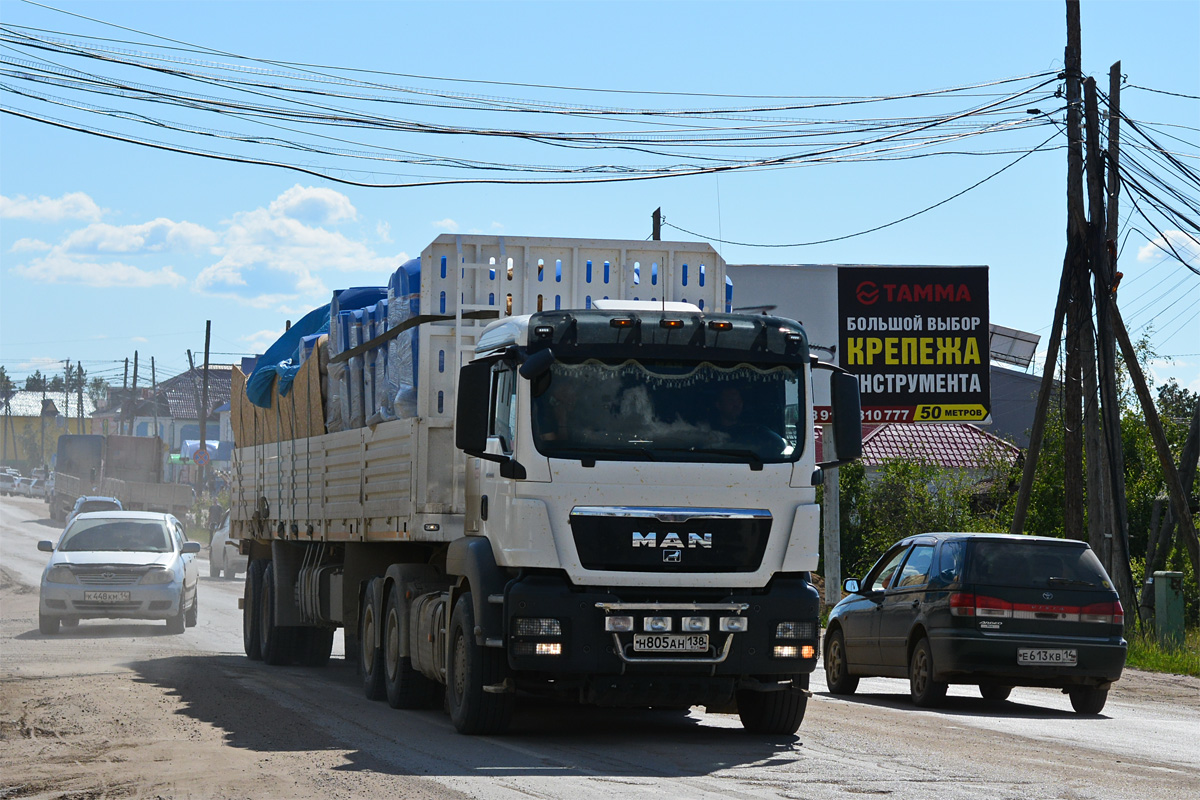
x=837, y=670
x=993, y=693
x=1088, y=699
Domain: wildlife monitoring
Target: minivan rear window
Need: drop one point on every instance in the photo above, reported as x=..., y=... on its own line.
x=1035, y=565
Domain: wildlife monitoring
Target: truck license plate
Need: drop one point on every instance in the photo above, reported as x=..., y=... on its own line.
x=1034, y=657
x=666, y=643
x=106, y=597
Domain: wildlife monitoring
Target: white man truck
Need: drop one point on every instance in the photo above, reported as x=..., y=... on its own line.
x=606, y=494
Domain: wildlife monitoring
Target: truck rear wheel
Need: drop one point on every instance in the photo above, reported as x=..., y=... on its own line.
x=405, y=686
x=274, y=641
x=250, y=611
x=471, y=669
x=772, y=713
x=370, y=654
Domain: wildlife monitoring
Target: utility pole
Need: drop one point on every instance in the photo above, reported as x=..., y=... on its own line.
x=196, y=399
x=67, y=393
x=79, y=375
x=133, y=396
x=204, y=399
x=1080, y=303
x=124, y=398
x=154, y=392
x=656, y=224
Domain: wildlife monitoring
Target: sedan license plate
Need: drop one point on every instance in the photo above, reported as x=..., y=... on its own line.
x=106, y=597
x=1036, y=657
x=667, y=643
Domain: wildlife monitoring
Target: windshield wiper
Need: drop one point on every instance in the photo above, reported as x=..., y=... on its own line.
x=756, y=462
x=1069, y=582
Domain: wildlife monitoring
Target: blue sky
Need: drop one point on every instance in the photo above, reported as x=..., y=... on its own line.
x=107, y=247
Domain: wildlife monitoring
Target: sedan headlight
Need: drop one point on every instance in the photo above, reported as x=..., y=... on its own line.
x=158, y=576
x=60, y=574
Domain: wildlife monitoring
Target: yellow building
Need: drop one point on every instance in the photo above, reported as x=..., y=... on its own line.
x=31, y=422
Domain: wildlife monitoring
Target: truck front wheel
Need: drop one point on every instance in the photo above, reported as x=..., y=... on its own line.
x=471, y=671
x=772, y=713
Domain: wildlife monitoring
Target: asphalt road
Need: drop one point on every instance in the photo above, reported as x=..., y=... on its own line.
x=123, y=709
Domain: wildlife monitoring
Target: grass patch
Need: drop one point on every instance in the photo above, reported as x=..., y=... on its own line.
x=1145, y=653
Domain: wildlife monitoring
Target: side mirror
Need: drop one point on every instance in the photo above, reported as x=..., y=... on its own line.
x=847, y=417
x=191, y=547
x=537, y=364
x=471, y=410
x=46, y=546
x=851, y=585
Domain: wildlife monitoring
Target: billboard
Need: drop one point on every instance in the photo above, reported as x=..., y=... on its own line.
x=917, y=337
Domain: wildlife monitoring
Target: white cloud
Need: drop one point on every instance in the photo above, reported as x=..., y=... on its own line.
x=1168, y=245
x=139, y=339
x=313, y=205
x=447, y=224
x=497, y=226
x=75, y=205
x=259, y=341
x=60, y=267
x=384, y=231
x=29, y=246
x=157, y=236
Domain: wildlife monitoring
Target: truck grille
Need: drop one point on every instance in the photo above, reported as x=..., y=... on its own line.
x=638, y=539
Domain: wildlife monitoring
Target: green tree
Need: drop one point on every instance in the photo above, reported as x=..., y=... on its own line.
x=97, y=391
x=35, y=382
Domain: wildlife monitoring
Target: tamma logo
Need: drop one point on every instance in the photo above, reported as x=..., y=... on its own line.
x=867, y=293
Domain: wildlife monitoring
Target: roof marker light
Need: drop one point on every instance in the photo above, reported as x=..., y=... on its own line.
x=671, y=323
x=621, y=322
x=543, y=331
x=720, y=326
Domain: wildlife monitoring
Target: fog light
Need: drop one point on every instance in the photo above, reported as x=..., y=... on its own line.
x=695, y=624
x=796, y=630
x=787, y=651
x=618, y=624
x=656, y=624
x=734, y=624
x=538, y=626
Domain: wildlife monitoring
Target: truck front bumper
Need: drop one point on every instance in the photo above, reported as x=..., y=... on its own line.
x=553, y=627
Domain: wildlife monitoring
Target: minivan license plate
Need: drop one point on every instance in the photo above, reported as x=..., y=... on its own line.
x=666, y=643
x=1036, y=657
x=106, y=597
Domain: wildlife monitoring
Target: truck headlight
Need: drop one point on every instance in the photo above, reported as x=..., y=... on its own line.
x=618, y=624
x=61, y=574
x=656, y=624
x=158, y=576
x=734, y=624
x=538, y=626
x=695, y=624
x=796, y=630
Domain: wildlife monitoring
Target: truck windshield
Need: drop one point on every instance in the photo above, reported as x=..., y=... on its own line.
x=669, y=411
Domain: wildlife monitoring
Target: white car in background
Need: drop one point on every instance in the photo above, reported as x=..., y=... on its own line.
x=223, y=555
x=120, y=565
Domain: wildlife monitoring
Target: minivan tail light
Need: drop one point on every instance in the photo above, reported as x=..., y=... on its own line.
x=962, y=604
x=1110, y=612
x=992, y=607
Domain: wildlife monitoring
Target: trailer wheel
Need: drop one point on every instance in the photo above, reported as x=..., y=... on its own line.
x=772, y=713
x=370, y=655
x=250, y=611
x=405, y=686
x=473, y=710
x=314, y=646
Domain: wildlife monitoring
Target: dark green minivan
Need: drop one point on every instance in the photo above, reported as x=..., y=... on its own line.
x=993, y=610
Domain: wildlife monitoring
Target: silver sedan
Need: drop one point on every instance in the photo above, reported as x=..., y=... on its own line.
x=120, y=565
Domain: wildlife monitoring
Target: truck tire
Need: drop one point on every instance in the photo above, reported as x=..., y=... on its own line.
x=772, y=713
x=370, y=655
x=274, y=641
x=837, y=669
x=214, y=569
x=47, y=624
x=1088, y=700
x=314, y=646
x=926, y=692
x=471, y=667
x=250, y=612
x=405, y=686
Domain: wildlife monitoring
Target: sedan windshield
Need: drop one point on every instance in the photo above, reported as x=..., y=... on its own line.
x=143, y=536
x=669, y=411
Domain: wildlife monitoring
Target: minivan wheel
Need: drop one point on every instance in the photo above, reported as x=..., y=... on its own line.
x=926, y=692
x=837, y=670
x=993, y=693
x=1088, y=699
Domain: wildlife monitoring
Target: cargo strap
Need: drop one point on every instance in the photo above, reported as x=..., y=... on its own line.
x=392, y=333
